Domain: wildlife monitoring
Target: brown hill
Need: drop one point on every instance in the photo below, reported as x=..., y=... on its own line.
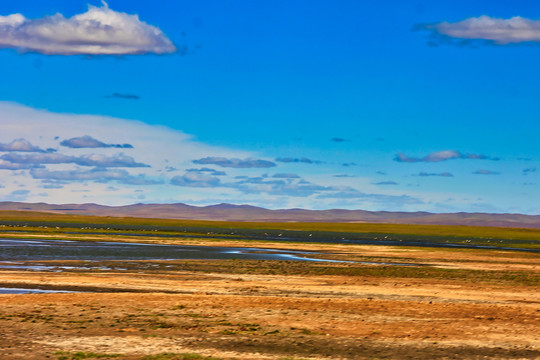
x=229, y=212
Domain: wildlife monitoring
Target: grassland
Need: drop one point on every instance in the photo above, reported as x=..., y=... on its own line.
x=308, y=232
x=447, y=303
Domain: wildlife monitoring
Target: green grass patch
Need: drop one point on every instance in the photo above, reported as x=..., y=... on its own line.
x=174, y=356
x=63, y=355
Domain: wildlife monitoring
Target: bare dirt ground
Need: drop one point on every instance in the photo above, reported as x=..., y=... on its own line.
x=462, y=304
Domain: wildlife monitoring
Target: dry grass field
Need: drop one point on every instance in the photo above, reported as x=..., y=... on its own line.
x=439, y=303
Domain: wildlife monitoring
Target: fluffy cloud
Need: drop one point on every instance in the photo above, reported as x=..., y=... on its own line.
x=7, y=165
x=97, y=174
x=485, y=29
x=78, y=174
x=87, y=141
x=235, y=163
x=155, y=150
x=208, y=170
x=38, y=159
x=196, y=179
x=98, y=160
x=20, y=145
x=256, y=185
x=99, y=31
x=441, y=156
x=253, y=185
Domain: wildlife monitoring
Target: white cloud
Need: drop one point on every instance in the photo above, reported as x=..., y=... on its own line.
x=97, y=174
x=155, y=148
x=195, y=179
x=495, y=30
x=99, y=31
x=20, y=145
x=8, y=165
x=83, y=174
x=235, y=163
x=485, y=172
x=99, y=160
x=286, y=176
x=89, y=142
x=152, y=144
x=441, y=156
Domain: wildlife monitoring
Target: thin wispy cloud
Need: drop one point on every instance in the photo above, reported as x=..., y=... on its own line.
x=99, y=31
x=528, y=171
x=484, y=30
x=386, y=183
x=286, y=176
x=87, y=141
x=441, y=156
x=374, y=198
x=485, y=172
x=235, y=163
x=442, y=174
x=123, y=96
x=303, y=160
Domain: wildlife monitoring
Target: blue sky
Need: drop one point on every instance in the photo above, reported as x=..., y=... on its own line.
x=389, y=105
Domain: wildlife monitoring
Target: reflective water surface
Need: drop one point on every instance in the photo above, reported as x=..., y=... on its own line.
x=35, y=250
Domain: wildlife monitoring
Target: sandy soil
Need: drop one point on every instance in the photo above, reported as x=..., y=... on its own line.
x=234, y=312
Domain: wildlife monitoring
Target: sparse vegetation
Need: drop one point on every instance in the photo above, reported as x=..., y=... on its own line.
x=63, y=355
x=287, y=310
x=173, y=356
x=56, y=223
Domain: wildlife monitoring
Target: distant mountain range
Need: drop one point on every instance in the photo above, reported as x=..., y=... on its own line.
x=229, y=212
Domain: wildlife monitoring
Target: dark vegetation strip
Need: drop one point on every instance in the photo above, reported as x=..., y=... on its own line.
x=273, y=267
x=37, y=219
x=316, y=269
x=249, y=235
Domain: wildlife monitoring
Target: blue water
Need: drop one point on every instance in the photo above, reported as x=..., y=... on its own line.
x=36, y=250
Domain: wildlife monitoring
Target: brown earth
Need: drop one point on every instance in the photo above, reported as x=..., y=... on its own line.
x=230, y=212
x=462, y=304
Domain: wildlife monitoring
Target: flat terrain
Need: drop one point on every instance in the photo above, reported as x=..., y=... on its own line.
x=439, y=303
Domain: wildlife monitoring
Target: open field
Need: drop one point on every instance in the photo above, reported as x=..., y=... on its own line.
x=306, y=232
x=438, y=303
